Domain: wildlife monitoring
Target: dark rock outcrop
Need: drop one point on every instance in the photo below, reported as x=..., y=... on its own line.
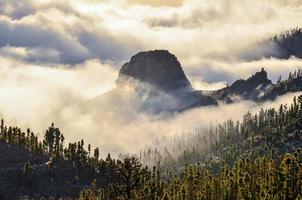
x=159, y=68
x=154, y=82
x=252, y=88
x=160, y=83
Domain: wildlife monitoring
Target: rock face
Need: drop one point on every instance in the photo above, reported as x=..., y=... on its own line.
x=154, y=82
x=159, y=68
x=160, y=83
x=252, y=88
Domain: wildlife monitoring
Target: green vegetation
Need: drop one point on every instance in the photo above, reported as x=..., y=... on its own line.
x=263, y=178
x=258, y=158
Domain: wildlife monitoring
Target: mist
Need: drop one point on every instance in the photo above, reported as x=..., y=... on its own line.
x=74, y=100
x=63, y=81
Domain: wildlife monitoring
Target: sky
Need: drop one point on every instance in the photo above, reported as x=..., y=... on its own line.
x=56, y=55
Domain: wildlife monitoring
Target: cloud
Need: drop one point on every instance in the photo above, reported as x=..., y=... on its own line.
x=33, y=95
x=200, y=33
x=103, y=47
x=57, y=55
x=32, y=37
x=214, y=71
x=16, y=9
x=70, y=37
x=157, y=2
x=199, y=84
x=117, y=124
x=112, y=31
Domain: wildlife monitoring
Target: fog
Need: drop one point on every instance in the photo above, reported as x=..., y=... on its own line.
x=32, y=96
x=58, y=59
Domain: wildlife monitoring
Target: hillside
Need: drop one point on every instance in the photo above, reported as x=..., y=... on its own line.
x=280, y=46
x=154, y=82
x=256, y=158
x=41, y=168
x=288, y=44
x=249, y=89
x=269, y=138
x=151, y=100
x=259, y=88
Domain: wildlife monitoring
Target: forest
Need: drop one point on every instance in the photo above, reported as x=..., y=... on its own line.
x=151, y=100
x=259, y=157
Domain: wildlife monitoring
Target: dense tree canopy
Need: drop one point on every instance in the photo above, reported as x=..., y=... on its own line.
x=259, y=157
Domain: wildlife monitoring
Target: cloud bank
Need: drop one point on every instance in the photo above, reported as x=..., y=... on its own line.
x=56, y=56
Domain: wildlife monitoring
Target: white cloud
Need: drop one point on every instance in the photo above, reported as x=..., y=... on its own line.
x=56, y=55
x=35, y=95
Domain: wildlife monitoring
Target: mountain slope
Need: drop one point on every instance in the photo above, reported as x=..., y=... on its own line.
x=289, y=44
x=153, y=82
x=249, y=89
x=36, y=181
x=259, y=88
x=292, y=84
x=282, y=46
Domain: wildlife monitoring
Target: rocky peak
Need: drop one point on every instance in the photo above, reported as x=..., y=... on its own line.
x=260, y=77
x=253, y=82
x=170, y=91
x=159, y=68
x=249, y=89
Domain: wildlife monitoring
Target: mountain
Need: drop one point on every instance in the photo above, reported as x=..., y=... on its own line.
x=262, y=145
x=250, y=89
x=154, y=82
x=259, y=88
x=158, y=68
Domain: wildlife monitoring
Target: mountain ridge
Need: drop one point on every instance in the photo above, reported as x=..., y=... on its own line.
x=249, y=89
x=154, y=82
x=158, y=84
x=161, y=73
